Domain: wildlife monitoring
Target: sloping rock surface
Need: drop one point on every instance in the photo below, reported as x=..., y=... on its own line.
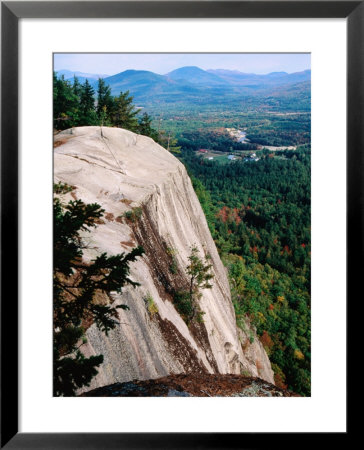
x=193, y=385
x=128, y=173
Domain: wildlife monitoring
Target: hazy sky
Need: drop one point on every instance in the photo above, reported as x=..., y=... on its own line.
x=112, y=63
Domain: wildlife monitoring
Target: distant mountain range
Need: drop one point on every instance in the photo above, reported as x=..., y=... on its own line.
x=223, y=77
x=69, y=75
x=236, y=78
x=191, y=82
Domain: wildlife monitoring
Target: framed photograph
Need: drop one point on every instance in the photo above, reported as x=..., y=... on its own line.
x=201, y=151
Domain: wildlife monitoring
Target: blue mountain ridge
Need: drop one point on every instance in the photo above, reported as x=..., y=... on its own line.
x=191, y=82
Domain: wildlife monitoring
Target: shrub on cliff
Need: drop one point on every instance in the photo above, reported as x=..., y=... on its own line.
x=199, y=276
x=199, y=273
x=75, y=285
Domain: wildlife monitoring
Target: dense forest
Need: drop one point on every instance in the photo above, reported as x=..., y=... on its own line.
x=258, y=212
x=259, y=216
x=77, y=104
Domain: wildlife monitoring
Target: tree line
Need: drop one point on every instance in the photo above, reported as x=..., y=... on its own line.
x=78, y=104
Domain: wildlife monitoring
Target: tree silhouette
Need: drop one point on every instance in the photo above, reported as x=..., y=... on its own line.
x=199, y=273
x=75, y=285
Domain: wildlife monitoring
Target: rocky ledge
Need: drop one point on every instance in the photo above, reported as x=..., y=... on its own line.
x=193, y=385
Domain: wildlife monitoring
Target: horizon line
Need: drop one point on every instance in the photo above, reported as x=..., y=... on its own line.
x=205, y=70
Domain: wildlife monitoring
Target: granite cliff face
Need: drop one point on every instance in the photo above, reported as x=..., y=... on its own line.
x=124, y=172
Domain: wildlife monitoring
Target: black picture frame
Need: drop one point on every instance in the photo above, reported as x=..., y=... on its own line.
x=11, y=12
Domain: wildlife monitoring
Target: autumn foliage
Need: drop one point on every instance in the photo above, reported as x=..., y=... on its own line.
x=267, y=342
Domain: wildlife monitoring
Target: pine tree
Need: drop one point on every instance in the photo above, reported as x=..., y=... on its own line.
x=199, y=273
x=75, y=284
x=145, y=127
x=65, y=104
x=105, y=101
x=124, y=112
x=87, y=105
x=76, y=87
